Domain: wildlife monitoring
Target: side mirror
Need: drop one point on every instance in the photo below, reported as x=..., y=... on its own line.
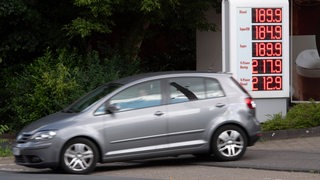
x=112, y=108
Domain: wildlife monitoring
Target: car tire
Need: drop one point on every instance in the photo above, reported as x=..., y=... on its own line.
x=79, y=156
x=229, y=143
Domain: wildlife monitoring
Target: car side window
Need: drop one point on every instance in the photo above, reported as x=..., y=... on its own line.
x=186, y=89
x=213, y=88
x=143, y=95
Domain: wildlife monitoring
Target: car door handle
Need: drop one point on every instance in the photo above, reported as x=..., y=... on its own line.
x=219, y=105
x=158, y=113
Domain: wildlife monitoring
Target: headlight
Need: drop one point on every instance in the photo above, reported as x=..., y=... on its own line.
x=43, y=135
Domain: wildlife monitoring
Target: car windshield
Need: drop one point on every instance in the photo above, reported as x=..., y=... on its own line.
x=91, y=98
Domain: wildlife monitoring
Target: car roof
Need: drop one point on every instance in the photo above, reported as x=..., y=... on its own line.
x=166, y=74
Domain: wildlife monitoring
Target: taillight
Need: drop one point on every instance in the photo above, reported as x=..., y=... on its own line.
x=250, y=103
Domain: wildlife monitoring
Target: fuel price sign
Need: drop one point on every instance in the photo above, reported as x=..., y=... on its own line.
x=256, y=45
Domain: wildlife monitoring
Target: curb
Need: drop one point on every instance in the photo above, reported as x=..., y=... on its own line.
x=289, y=134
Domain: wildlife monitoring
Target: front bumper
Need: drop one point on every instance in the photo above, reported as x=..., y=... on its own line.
x=36, y=155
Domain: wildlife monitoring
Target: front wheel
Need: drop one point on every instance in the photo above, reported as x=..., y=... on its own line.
x=79, y=156
x=229, y=143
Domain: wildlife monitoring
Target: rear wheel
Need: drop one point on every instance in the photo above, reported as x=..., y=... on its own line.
x=229, y=143
x=79, y=156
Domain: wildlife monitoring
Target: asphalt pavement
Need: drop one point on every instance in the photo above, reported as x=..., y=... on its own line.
x=280, y=151
x=293, y=155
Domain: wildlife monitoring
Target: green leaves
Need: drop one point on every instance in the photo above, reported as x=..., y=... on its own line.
x=108, y=35
x=56, y=79
x=304, y=115
x=150, y=5
x=12, y=7
x=47, y=85
x=95, y=17
x=3, y=129
x=86, y=27
x=5, y=150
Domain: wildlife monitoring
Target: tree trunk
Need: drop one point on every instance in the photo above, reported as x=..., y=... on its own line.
x=132, y=43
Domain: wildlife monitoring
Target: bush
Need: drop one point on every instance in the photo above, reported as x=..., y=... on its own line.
x=42, y=88
x=56, y=79
x=275, y=122
x=304, y=115
x=5, y=150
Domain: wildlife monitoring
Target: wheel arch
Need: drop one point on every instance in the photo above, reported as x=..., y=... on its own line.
x=213, y=131
x=88, y=138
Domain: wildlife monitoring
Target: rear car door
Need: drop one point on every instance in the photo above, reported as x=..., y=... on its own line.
x=192, y=104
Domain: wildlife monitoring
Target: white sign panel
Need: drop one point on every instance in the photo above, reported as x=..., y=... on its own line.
x=256, y=45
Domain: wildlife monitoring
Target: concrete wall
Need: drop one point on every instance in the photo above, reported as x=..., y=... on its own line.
x=209, y=46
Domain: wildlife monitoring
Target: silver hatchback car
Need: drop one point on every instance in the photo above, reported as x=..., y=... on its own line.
x=144, y=116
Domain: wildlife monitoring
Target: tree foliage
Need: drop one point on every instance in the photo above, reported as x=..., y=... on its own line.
x=134, y=19
x=56, y=79
x=14, y=19
x=28, y=27
x=54, y=50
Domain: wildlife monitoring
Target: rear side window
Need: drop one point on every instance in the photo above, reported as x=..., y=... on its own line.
x=190, y=89
x=214, y=89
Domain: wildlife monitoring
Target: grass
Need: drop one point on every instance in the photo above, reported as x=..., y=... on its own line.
x=5, y=149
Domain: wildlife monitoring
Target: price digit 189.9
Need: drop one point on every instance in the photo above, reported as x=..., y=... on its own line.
x=266, y=49
x=267, y=15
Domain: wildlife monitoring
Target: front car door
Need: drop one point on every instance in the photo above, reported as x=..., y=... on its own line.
x=139, y=125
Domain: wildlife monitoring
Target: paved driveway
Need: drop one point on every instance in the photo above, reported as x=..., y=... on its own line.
x=298, y=154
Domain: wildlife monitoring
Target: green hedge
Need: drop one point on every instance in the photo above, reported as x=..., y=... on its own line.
x=304, y=115
x=56, y=79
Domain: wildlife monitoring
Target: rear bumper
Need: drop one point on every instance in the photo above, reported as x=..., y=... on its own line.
x=254, y=138
x=254, y=133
